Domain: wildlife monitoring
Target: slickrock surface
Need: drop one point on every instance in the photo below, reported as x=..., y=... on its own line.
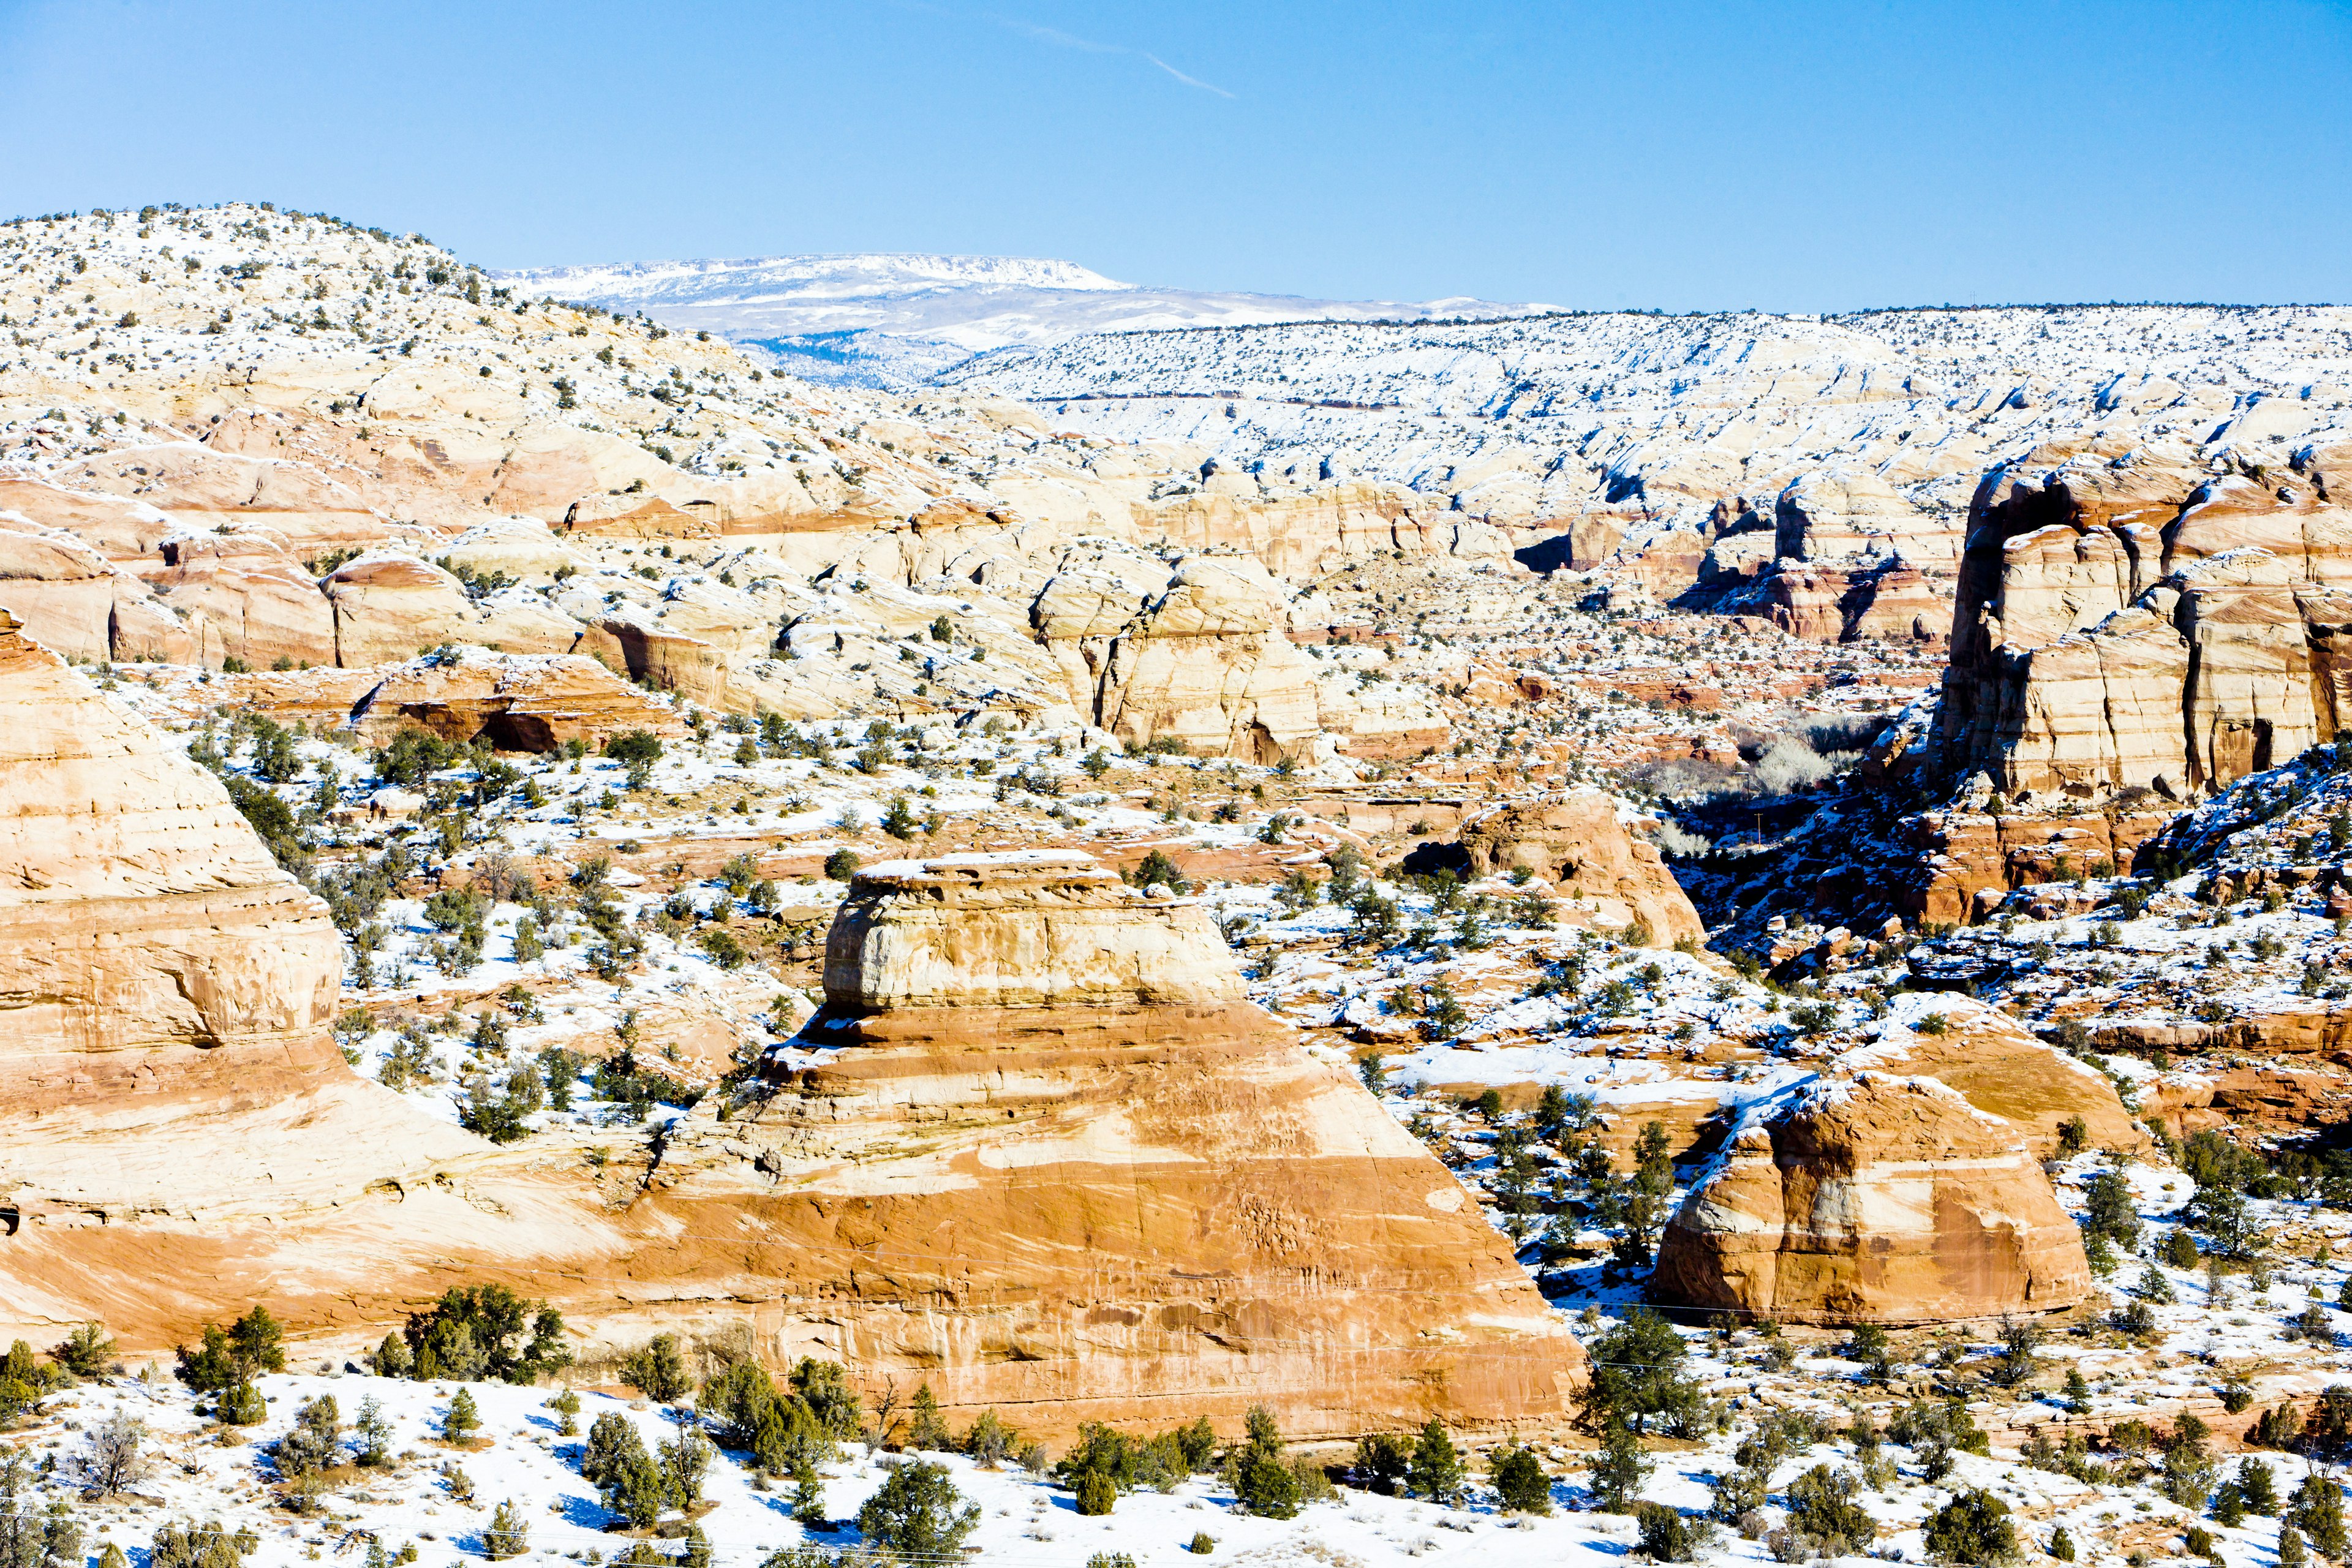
x=172, y=1093
x=1055, y=1164
x=1879, y=1197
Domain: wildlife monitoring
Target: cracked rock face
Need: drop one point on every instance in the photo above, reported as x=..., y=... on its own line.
x=1878, y=1198
x=2151, y=627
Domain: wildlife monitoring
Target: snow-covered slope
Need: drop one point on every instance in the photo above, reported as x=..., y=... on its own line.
x=897, y=320
x=1659, y=418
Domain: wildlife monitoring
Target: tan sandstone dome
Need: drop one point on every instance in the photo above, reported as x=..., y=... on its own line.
x=166, y=991
x=1877, y=1198
x=1576, y=841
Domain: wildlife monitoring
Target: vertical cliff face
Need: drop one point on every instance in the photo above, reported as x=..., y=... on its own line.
x=2124, y=620
x=148, y=942
x=1044, y=1155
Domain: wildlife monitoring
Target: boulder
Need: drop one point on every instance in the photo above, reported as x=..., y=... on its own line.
x=1874, y=1197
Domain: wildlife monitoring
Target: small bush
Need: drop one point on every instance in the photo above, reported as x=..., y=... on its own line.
x=1973, y=1528
x=1520, y=1484
x=1665, y=1536
x=508, y=1533
x=919, y=1514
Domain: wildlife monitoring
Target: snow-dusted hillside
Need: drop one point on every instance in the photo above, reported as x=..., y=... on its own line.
x=897, y=320
x=1658, y=418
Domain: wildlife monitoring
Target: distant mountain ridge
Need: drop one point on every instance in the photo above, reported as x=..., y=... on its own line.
x=893, y=320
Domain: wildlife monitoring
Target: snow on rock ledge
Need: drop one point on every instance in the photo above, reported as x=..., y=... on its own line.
x=1878, y=1198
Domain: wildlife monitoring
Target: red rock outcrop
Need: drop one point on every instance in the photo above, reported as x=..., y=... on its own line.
x=1037, y=1152
x=244, y=597
x=1876, y=1198
x=1207, y=663
x=1967, y=862
x=1048, y=1159
x=390, y=607
x=171, y=1091
x=1990, y=1059
x=1577, y=842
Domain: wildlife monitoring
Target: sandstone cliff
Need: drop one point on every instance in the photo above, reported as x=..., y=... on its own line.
x=172, y=1091
x=2146, y=623
x=146, y=937
x=1048, y=1159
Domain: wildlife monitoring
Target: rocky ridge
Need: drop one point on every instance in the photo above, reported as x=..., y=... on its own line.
x=1818, y=471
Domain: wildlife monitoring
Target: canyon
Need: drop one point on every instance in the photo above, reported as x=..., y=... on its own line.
x=1330, y=865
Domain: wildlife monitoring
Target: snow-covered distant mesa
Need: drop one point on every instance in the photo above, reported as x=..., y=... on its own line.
x=896, y=320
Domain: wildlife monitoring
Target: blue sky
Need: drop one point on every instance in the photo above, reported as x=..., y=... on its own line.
x=1672, y=153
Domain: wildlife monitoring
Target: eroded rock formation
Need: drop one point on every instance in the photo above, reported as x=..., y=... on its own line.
x=145, y=934
x=1046, y=1158
x=1577, y=842
x=2148, y=624
x=1876, y=1197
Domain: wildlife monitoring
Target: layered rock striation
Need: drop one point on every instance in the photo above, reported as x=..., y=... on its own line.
x=2143, y=624
x=1876, y=1196
x=1046, y=1157
x=147, y=939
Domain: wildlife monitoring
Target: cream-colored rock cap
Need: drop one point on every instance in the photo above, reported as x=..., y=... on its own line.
x=1033, y=928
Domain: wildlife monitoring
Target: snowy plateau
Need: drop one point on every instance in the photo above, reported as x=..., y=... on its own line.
x=894, y=320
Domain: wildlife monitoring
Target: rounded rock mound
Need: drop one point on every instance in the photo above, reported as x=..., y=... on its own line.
x=1878, y=1198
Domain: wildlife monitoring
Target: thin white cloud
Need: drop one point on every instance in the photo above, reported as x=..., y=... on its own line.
x=1187, y=80
x=1062, y=40
x=1054, y=36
